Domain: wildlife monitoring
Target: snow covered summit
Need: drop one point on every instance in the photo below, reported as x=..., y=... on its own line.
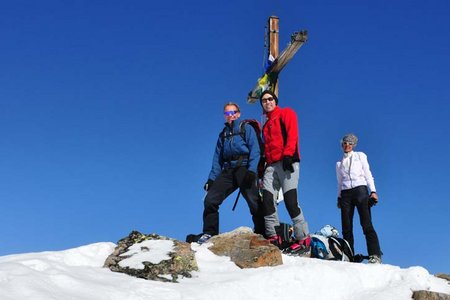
x=78, y=274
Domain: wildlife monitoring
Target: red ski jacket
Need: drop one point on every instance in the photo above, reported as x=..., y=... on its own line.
x=281, y=136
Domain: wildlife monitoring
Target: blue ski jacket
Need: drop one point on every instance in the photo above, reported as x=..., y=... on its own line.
x=231, y=148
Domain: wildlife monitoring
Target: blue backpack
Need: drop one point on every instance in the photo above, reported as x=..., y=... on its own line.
x=331, y=248
x=318, y=248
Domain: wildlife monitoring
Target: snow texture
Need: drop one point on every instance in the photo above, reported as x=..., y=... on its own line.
x=78, y=274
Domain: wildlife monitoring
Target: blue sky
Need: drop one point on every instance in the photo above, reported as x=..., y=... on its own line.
x=110, y=111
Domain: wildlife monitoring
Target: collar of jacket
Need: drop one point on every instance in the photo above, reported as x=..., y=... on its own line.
x=233, y=124
x=348, y=154
x=273, y=113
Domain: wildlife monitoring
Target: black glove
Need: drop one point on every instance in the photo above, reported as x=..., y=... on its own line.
x=372, y=202
x=287, y=164
x=249, y=179
x=208, y=185
x=339, y=202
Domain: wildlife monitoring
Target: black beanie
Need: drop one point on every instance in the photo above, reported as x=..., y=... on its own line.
x=270, y=93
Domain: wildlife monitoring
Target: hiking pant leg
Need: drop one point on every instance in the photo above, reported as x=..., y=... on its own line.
x=289, y=183
x=299, y=223
x=365, y=218
x=223, y=186
x=254, y=202
x=347, y=212
x=271, y=187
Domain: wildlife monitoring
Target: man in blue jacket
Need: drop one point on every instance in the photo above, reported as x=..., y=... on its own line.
x=235, y=164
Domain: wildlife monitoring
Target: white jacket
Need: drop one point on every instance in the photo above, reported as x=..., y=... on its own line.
x=353, y=170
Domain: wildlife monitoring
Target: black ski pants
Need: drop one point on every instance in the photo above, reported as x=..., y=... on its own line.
x=358, y=197
x=226, y=183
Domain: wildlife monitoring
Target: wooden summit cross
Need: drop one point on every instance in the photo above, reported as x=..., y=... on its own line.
x=269, y=81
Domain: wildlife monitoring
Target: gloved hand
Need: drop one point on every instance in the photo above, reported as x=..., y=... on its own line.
x=208, y=185
x=339, y=202
x=287, y=164
x=249, y=179
x=372, y=202
x=373, y=199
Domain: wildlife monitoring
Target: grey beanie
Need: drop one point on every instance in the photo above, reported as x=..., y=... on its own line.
x=271, y=94
x=350, y=138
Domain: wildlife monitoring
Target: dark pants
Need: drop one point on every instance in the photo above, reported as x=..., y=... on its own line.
x=227, y=182
x=358, y=197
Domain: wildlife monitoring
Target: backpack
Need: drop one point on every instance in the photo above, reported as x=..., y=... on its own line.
x=284, y=231
x=331, y=248
x=328, y=231
x=340, y=249
x=318, y=248
x=257, y=127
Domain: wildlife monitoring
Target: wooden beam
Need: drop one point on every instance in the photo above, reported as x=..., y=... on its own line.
x=269, y=80
x=273, y=38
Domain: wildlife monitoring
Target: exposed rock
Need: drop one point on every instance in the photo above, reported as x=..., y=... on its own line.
x=427, y=295
x=246, y=249
x=443, y=276
x=152, y=257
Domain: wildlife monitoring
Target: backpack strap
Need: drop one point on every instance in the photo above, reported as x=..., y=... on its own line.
x=242, y=129
x=284, y=135
x=283, y=132
x=223, y=135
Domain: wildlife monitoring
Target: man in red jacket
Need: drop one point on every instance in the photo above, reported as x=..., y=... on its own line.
x=282, y=153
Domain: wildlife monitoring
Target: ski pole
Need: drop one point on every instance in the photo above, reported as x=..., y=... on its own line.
x=236, y=201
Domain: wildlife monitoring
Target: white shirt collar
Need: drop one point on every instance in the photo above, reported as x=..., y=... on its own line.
x=348, y=154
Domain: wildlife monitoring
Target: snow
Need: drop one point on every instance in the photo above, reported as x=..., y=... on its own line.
x=79, y=274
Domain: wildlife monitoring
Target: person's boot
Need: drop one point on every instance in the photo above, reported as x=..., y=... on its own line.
x=275, y=240
x=300, y=247
x=204, y=238
x=375, y=259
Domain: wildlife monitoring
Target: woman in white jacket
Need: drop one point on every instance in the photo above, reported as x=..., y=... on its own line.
x=354, y=183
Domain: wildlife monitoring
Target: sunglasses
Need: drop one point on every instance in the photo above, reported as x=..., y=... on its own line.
x=230, y=113
x=264, y=100
x=348, y=143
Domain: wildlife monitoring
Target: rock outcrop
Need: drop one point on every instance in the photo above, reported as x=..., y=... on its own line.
x=152, y=257
x=443, y=276
x=246, y=249
x=427, y=295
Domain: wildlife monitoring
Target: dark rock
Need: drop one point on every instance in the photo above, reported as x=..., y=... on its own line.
x=152, y=257
x=428, y=295
x=246, y=249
